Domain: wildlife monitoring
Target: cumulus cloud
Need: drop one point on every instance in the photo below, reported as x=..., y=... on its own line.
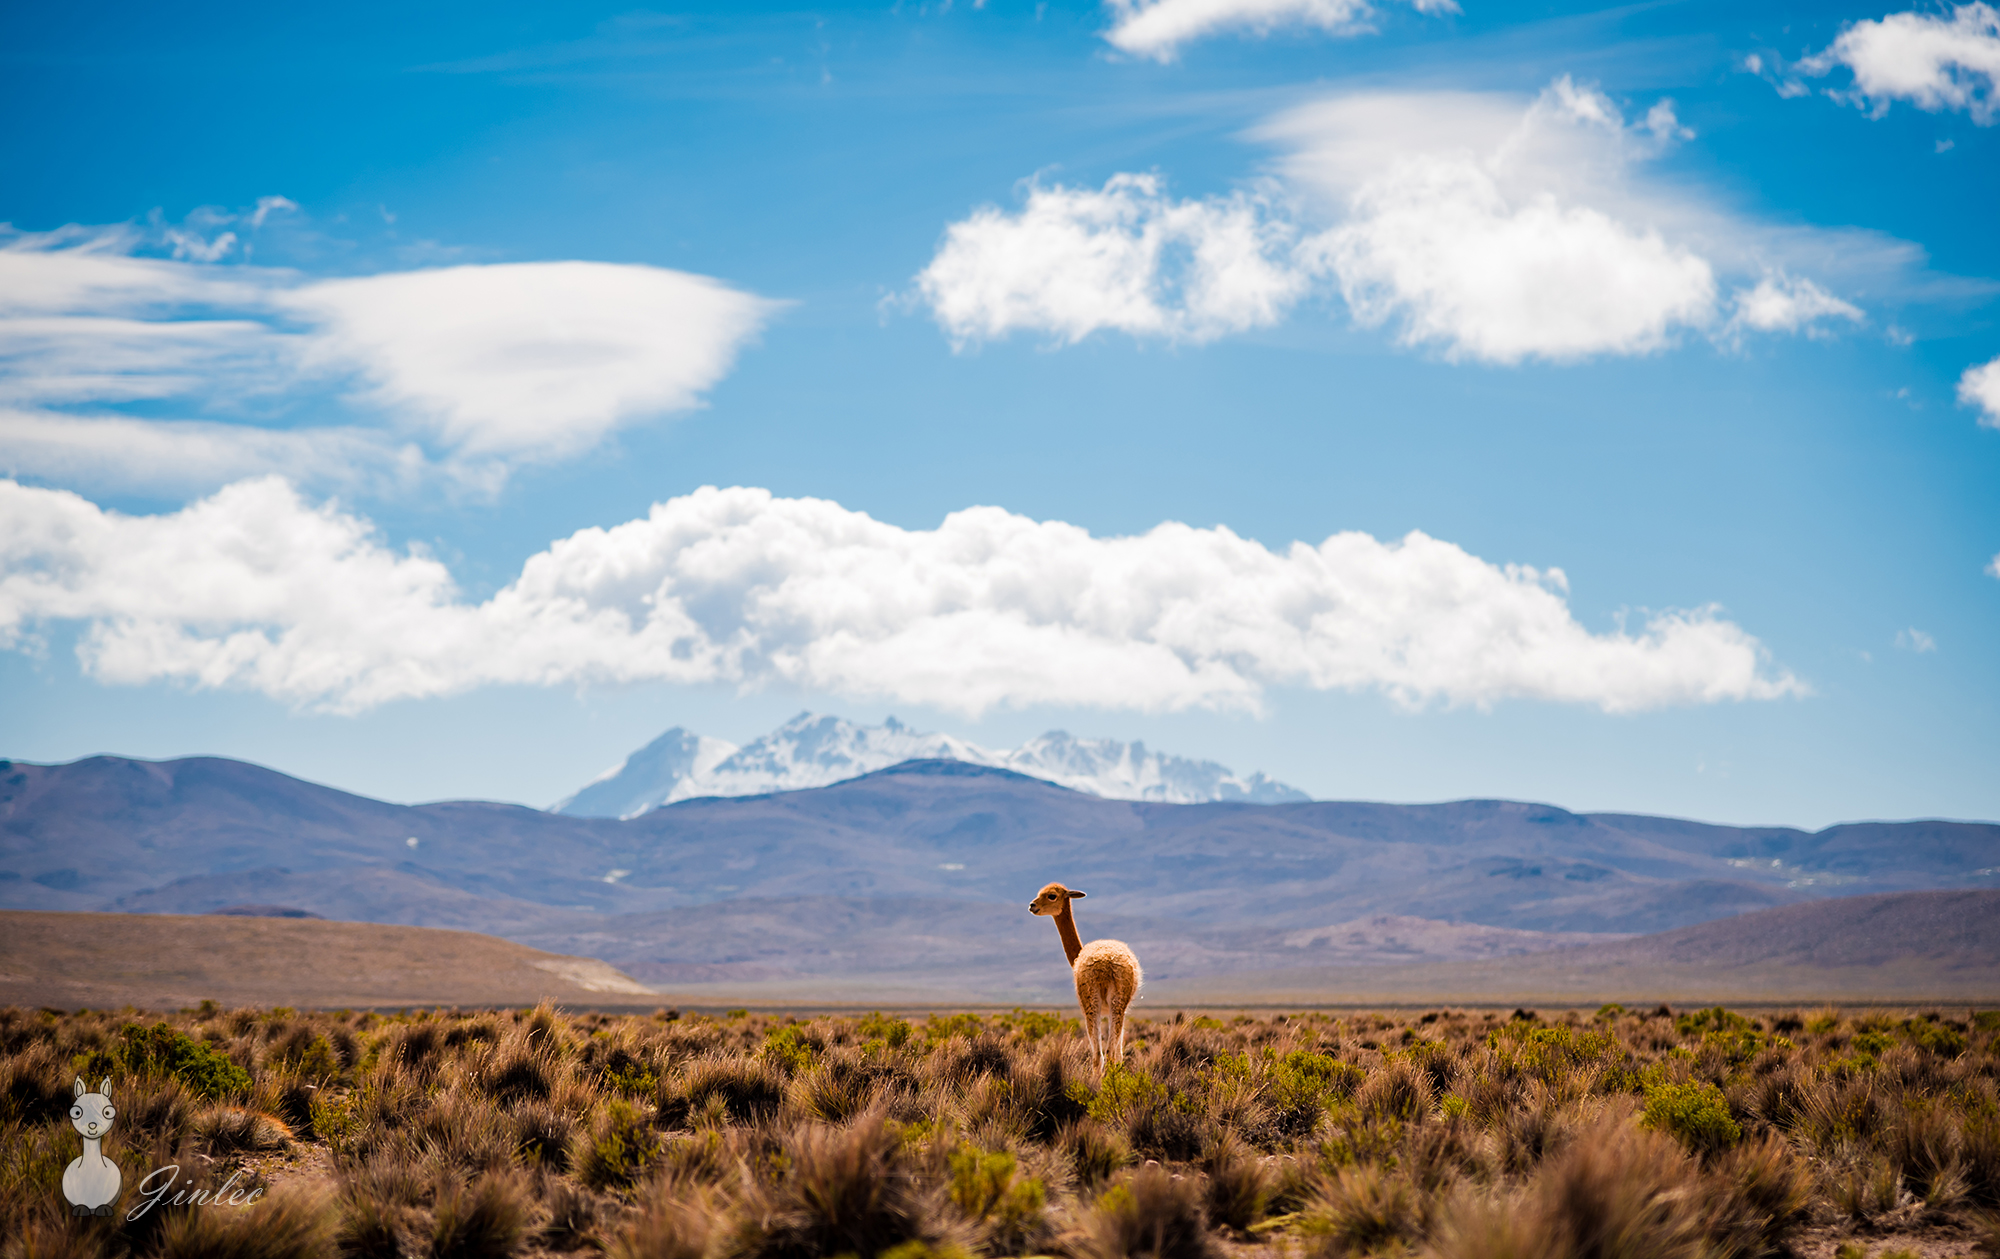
x=1485, y=226
x=477, y=365
x=1158, y=28
x=1980, y=387
x=1937, y=63
x=256, y=588
x=1781, y=303
x=1125, y=257
x=1437, y=245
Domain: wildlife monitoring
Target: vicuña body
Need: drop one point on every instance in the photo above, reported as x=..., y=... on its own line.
x=1107, y=974
x=91, y=1183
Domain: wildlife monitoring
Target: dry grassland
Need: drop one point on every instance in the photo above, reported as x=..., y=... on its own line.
x=1698, y=1134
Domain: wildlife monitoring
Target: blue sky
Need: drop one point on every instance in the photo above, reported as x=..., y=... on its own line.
x=316, y=328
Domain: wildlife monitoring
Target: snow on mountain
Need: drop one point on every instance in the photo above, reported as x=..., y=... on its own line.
x=646, y=779
x=816, y=751
x=1128, y=771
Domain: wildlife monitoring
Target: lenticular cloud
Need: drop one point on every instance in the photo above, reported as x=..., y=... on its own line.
x=256, y=588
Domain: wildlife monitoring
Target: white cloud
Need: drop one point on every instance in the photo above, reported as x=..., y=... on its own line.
x=1980, y=387
x=1126, y=257
x=536, y=357
x=120, y=453
x=1780, y=303
x=1914, y=639
x=1936, y=63
x=479, y=365
x=255, y=588
x=1438, y=245
x=1157, y=28
x=1488, y=226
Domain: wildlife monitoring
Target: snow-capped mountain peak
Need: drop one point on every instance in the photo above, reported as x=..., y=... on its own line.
x=812, y=750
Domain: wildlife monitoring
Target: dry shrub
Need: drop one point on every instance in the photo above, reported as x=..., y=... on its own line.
x=1359, y=1210
x=516, y=1073
x=833, y=1092
x=370, y=1228
x=235, y=1129
x=1150, y=1214
x=1618, y=1191
x=54, y=1238
x=35, y=1086
x=1239, y=1182
x=543, y=1134
x=1762, y=1192
x=1536, y=1128
x=678, y=1221
x=1866, y=1189
x=463, y=1130
x=574, y=1217
x=1398, y=1091
x=483, y=1220
x=747, y=1090
x=846, y=1190
x=1049, y=1086
x=1095, y=1152
x=287, y=1225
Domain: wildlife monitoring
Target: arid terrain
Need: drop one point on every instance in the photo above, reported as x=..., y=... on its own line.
x=165, y=961
x=1696, y=1133
x=1899, y=948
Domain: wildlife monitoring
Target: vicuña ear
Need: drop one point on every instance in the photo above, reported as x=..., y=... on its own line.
x=80, y=1089
x=105, y=1088
x=1077, y=895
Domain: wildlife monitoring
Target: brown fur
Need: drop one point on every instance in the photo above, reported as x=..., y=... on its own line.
x=1107, y=974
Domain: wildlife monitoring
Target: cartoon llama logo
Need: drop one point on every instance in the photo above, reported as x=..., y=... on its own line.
x=92, y=1182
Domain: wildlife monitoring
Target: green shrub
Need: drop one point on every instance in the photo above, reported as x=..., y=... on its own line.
x=1033, y=1025
x=1694, y=1112
x=159, y=1050
x=1715, y=1019
x=1939, y=1038
x=941, y=1028
x=617, y=1150
x=788, y=1049
x=889, y=1031
x=1009, y=1207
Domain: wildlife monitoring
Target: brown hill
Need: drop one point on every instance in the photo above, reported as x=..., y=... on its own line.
x=1903, y=947
x=170, y=961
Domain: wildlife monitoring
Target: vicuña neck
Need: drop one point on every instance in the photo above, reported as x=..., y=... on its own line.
x=93, y=1147
x=1066, y=928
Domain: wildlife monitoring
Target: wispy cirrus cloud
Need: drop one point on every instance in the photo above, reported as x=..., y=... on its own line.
x=257, y=588
x=471, y=369
x=1158, y=28
x=1484, y=226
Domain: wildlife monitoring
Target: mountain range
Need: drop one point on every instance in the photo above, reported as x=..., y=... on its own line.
x=812, y=750
x=920, y=873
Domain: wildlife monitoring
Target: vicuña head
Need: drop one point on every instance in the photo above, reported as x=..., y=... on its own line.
x=1053, y=900
x=1106, y=971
